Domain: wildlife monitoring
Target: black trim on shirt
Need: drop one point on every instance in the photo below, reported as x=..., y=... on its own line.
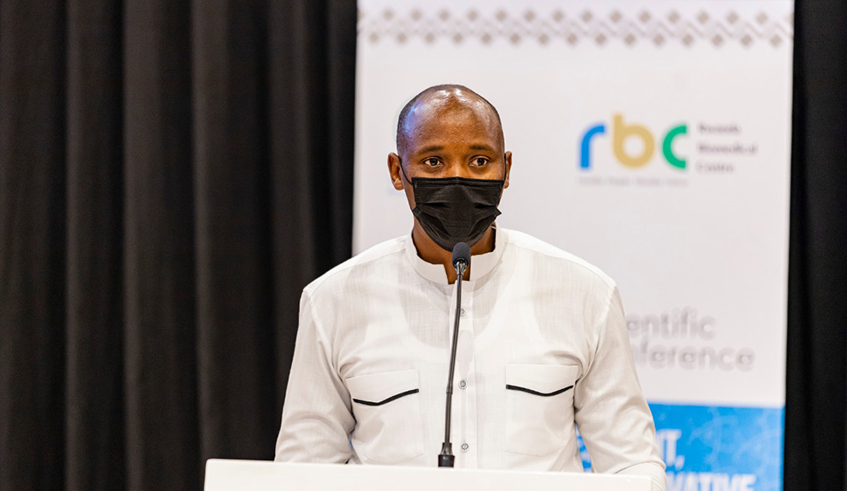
x=530, y=391
x=386, y=401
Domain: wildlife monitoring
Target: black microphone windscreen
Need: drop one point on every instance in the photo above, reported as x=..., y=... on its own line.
x=461, y=252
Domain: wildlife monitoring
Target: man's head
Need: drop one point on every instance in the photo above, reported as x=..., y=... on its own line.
x=450, y=131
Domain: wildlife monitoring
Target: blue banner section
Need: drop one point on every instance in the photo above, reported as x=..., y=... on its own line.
x=710, y=448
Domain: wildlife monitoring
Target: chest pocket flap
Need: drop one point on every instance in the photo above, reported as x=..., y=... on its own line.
x=381, y=388
x=389, y=428
x=539, y=407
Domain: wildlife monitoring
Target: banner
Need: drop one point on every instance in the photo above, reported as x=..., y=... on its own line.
x=651, y=138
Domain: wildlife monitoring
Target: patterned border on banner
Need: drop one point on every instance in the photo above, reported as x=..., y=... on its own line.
x=573, y=29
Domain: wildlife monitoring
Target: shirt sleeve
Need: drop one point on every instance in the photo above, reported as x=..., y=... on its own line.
x=610, y=410
x=316, y=416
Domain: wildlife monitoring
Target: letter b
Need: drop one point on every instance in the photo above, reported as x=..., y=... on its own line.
x=621, y=131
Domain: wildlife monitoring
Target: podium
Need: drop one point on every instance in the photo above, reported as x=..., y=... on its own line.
x=255, y=475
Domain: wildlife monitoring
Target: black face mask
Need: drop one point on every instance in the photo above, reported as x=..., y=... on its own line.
x=455, y=209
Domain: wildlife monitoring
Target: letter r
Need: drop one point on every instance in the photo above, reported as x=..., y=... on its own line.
x=585, y=147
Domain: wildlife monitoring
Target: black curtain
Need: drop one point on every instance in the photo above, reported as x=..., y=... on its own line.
x=172, y=173
x=816, y=389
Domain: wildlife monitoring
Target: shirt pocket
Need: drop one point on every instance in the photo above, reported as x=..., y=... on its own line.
x=389, y=428
x=539, y=407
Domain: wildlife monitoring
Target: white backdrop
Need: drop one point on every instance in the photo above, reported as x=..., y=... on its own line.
x=695, y=232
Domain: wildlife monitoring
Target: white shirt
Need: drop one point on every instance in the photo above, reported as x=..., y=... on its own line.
x=369, y=375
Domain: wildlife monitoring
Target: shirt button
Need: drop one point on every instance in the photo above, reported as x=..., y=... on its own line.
x=465, y=447
x=462, y=384
x=462, y=313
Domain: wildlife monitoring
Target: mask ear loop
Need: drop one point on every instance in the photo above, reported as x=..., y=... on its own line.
x=400, y=159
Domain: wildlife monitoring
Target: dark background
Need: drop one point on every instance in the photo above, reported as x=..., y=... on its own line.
x=173, y=172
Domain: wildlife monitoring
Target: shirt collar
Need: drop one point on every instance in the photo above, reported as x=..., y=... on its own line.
x=481, y=264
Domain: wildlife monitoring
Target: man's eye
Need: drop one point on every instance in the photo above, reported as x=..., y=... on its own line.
x=432, y=162
x=480, y=161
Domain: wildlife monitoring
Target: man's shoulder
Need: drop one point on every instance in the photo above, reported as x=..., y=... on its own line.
x=524, y=243
x=388, y=250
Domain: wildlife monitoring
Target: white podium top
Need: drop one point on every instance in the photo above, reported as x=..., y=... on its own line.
x=255, y=475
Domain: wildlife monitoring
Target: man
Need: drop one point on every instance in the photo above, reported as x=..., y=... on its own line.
x=542, y=340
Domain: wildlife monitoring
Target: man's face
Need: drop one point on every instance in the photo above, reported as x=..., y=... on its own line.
x=450, y=138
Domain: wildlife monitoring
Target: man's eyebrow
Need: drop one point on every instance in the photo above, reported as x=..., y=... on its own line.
x=481, y=146
x=431, y=148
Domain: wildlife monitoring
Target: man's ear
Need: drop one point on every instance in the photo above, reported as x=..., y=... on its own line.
x=394, y=171
x=508, y=168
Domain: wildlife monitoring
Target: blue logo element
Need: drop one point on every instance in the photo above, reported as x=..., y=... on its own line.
x=718, y=448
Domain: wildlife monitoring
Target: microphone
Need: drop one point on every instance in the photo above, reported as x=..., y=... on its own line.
x=461, y=261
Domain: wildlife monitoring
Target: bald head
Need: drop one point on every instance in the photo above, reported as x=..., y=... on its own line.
x=435, y=101
x=443, y=133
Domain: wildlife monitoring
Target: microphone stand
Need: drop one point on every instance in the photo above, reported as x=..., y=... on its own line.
x=446, y=457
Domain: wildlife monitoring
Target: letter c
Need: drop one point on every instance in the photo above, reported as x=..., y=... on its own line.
x=667, y=146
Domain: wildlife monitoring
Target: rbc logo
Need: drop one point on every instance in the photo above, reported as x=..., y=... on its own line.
x=620, y=132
